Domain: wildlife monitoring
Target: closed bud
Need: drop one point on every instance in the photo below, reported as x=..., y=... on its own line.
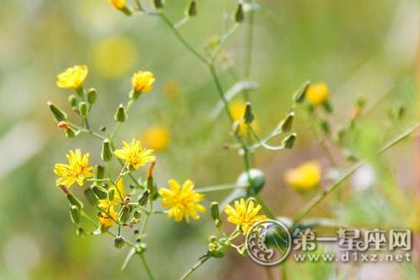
x=83, y=109
x=287, y=124
x=119, y=242
x=137, y=215
x=100, y=192
x=327, y=106
x=91, y=95
x=70, y=133
x=325, y=127
x=301, y=93
x=158, y=4
x=72, y=100
x=74, y=201
x=80, y=232
x=58, y=114
x=111, y=194
x=192, y=8
x=106, y=153
x=120, y=114
x=248, y=115
x=75, y=214
x=214, y=210
x=125, y=214
x=289, y=141
x=212, y=239
x=99, y=173
x=144, y=197
x=239, y=14
x=91, y=197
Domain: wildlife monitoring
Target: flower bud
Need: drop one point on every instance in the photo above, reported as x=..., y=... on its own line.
x=99, y=173
x=248, y=115
x=137, y=215
x=106, y=153
x=119, y=242
x=214, y=210
x=327, y=107
x=192, y=8
x=91, y=96
x=100, y=192
x=253, y=180
x=80, y=232
x=83, y=109
x=301, y=93
x=74, y=201
x=91, y=197
x=58, y=114
x=120, y=114
x=289, y=141
x=75, y=214
x=287, y=124
x=125, y=214
x=72, y=100
x=144, y=197
x=158, y=4
x=325, y=127
x=212, y=239
x=239, y=14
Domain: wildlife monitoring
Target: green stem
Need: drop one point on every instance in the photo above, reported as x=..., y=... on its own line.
x=217, y=188
x=320, y=197
x=265, y=207
x=146, y=266
x=195, y=267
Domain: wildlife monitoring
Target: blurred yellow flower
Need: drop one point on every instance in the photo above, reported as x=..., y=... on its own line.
x=245, y=214
x=304, y=177
x=118, y=4
x=77, y=170
x=114, y=57
x=237, y=110
x=157, y=138
x=134, y=154
x=108, y=215
x=142, y=81
x=72, y=77
x=317, y=94
x=183, y=201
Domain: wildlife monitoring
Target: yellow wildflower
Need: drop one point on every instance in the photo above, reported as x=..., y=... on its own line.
x=72, y=77
x=109, y=215
x=183, y=201
x=134, y=154
x=118, y=4
x=317, y=94
x=77, y=170
x=245, y=214
x=305, y=177
x=157, y=138
x=142, y=81
x=237, y=111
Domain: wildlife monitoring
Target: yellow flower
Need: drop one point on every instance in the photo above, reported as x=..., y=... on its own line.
x=134, y=154
x=237, y=111
x=77, y=170
x=305, y=177
x=183, y=201
x=157, y=138
x=118, y=4
x=245, y=214
x=317, y=94
x=109, y=215
x=72, y=77
x=142, y=81
x=114, y=57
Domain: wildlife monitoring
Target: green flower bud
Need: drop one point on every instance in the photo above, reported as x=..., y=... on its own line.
x=106, y=153
x=289, y=141
x=58, y=114
x=75, y=214
x=72, y=100
x=74, y=201
x=327, y=107
x=80, y=232
x=91, y=96
x=144, y=197
x=151, y=186
x=119, y=242
x=125, y=214
x=287, y=124
x=111, y=194
x=99, y=173
x=137, y=215
x=239, y=14
x=91, y=197
x=214, y=210
x=325, y=127
x=158, y=4
x=248, y=115
x=100, y=192
x=212, y=239
x=83, y=109
x=70, y=133
x=192, y=9
x=253, y=180
x=120, y=114
x=301, y=93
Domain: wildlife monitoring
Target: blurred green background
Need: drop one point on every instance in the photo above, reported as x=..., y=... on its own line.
x=359, y=48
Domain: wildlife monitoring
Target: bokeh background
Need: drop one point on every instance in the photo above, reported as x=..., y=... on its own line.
x=359, y=48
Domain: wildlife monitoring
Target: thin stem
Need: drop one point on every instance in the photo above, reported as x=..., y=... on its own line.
x=217, y=188
x=195, y=267
x=265, y=207
x=320, y=197
x=146, y=266
x=249, y=48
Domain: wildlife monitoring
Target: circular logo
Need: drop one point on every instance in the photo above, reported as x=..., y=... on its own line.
x=268, y=242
